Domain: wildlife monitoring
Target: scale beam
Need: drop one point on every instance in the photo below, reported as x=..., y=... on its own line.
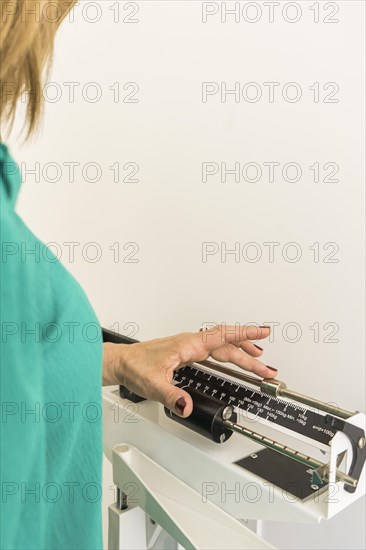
x=277, y=388
x=220, y=394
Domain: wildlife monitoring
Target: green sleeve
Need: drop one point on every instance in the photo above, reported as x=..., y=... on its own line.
x=51, y=354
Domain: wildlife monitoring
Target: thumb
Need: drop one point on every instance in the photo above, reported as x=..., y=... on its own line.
x=175, y=399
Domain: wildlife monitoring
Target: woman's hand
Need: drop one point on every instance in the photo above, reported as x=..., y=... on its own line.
x=147, y=368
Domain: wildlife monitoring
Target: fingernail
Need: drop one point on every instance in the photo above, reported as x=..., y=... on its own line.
x=272, y=368
x=180, y=405
x=258, y=347
x=264, y=326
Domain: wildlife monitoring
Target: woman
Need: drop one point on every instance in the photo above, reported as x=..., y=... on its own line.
x=52, y=367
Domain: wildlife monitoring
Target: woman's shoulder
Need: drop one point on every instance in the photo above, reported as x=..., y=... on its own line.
x=10, y=178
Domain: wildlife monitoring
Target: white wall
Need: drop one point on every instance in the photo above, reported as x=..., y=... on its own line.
x=169, y=132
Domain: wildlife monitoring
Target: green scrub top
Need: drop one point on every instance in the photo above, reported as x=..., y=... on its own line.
x=51, y=362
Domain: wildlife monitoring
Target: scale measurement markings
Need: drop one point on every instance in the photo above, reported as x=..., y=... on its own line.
x=289, y=415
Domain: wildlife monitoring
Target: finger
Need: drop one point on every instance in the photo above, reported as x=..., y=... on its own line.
x=256, y=333
x=251, y=348
x=174, y=398
x=245, y=361
x=219, y=334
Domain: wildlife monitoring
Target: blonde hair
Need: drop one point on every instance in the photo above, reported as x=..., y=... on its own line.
x=28, y=28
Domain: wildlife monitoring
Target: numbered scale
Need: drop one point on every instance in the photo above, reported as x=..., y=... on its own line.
x=227, y=401
x=309, y=423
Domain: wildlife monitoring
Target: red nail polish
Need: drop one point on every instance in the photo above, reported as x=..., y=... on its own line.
x=180, y=405
x=258, y=347
x=272, y=368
